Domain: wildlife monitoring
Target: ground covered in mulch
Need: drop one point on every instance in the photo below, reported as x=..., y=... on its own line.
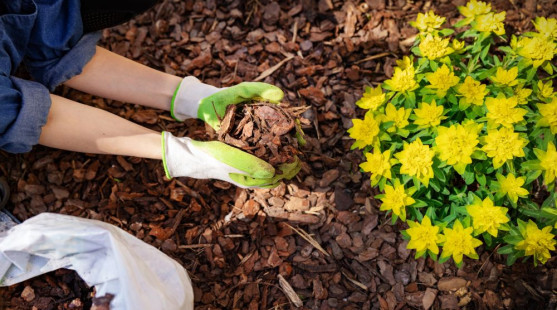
x=322, y=233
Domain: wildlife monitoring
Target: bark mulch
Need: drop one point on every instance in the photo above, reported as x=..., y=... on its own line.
x=319, y=241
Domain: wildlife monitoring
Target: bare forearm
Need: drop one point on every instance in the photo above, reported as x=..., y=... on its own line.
x=112, y=76
x=77, y=127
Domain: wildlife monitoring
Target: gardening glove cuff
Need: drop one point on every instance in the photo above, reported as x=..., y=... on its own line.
x=187, y=98
x=184, y=157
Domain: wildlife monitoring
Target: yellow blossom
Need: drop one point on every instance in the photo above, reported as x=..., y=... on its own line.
x=398, y=116
x=429, y=115
x=548, y=162
x=396, y=199
x=428, y=22
x=378, y=164
x=403, y=80
x=537, y=242
x=405, y=62
x=458, y=241
x=502, y=145
x=472, y=91
x=522, y=94
x=486, y=217
x=416, y=159
x=456, y=144
x=457, y=45
x=423, y=236
x=491, y=22
x=545, y=90
x=364, y=131
x=372, y=98
x=503, y=111
x=441, y=80
x=434, y=47
x=548, y=114
x=506, y=77
x=474, y=8
x=546, y=27
x=511, y=186
x=536, y=50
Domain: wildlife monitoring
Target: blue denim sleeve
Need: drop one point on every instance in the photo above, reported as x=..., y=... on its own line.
x=58, y=48
x=24, y=107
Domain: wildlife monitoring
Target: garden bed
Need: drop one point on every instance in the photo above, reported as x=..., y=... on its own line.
x=323, y=231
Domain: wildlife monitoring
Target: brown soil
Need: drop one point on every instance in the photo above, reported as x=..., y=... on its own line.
x=322, y=233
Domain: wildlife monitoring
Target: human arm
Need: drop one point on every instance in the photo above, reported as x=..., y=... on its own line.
x=77, y=127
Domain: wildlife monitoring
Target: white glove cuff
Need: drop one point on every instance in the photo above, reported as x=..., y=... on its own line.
x=188, y=96
x=182, y=159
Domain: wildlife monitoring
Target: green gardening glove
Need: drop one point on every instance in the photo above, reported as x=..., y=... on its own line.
x=194, y=99
x=184, y=157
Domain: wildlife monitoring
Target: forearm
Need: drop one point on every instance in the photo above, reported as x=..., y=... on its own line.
x=112, y=76
x=77, y=127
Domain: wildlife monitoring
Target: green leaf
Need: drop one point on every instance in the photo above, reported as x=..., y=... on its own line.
x=547, y=67
x=468, y=177
x=512, y=258
x=446, y=32
x=480, y=177
x=507, y=249
x=433, y=183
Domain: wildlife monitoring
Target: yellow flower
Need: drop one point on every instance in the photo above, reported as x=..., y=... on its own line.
x=506, y=77
x=545, y=90
x=458, y=242
x=429, y=115
x=423, y=236
x=396, y=199
x=537, y=242
x=511, y=186
x=548, y=162
x=456, y=144
x=403, y=80
x=428, y=22
x=549, y=115
x=546, y=27
x=378, y=164
x=364, y=131
x=503, y=111
x=434, y=47
x=473, y=92
x=522, y=94
x=491, y=22
x=405, y=62
x=372, y=98
x=536, y=50
x=398, y=116
x=416, y=159
x=487, y=217
x=503, y=144
x=457, y=45
x=441, y=80
x=474, y=8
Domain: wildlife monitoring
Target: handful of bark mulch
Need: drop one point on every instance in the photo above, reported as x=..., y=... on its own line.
x=268, y=131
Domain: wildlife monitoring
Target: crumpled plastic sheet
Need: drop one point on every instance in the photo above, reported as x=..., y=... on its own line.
x=105, y=256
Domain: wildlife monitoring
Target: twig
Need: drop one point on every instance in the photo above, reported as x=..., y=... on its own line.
x=485, y=261
x=372, y=58
x=274, y=68
x=309, y=239
x=195, y=246
x=289, y=291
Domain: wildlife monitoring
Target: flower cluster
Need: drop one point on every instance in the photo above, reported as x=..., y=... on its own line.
x=462, y=135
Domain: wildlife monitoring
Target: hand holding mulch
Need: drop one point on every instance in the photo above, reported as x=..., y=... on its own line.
x=268, y=131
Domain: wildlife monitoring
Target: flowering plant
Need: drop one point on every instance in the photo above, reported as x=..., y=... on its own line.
x=461, y=139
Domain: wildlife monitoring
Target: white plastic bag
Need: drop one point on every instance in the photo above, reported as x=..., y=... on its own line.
x=137, y=274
